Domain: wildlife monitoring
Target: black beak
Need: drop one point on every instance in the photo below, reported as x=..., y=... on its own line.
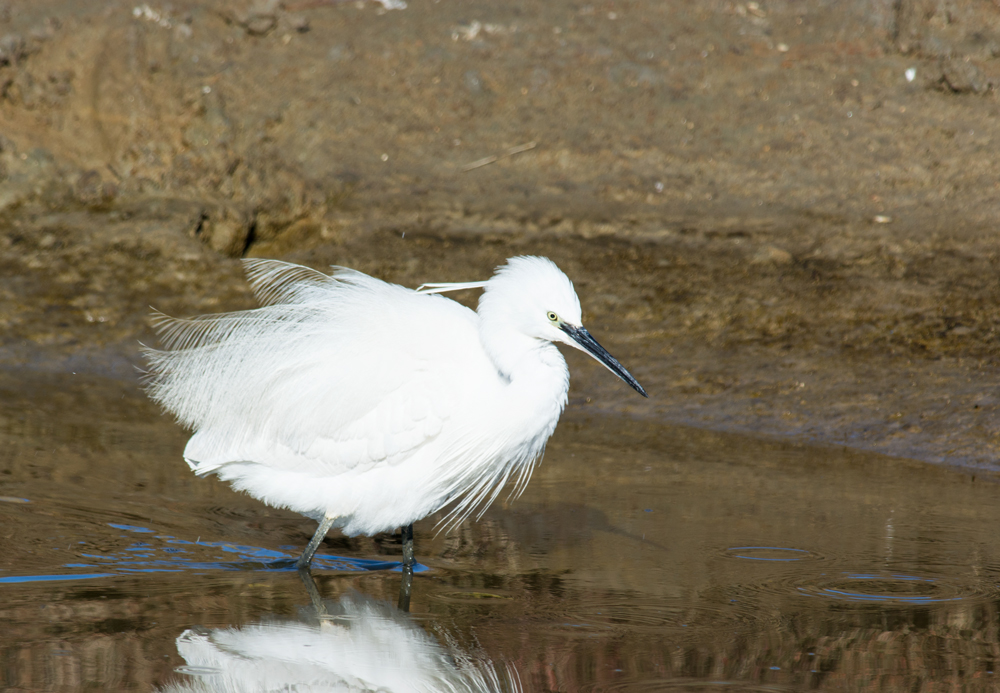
x=590, y=345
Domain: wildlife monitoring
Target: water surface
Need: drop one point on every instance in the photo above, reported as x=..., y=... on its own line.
x=641, y=557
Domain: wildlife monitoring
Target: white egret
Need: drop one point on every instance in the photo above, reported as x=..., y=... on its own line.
x=367, y=405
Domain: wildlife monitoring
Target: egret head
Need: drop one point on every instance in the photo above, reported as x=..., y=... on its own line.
x=534, y=296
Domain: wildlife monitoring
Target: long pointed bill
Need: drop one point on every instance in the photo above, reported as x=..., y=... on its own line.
x=590, y=345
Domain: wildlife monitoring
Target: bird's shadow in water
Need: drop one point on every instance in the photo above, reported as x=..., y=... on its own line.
x=312, y=589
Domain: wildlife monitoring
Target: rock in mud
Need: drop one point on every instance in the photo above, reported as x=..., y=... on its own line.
x=12, y=49
x=94, y=192
x=225, y=229
x=960, y=76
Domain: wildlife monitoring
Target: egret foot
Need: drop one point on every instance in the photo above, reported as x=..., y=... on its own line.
x=305, y=560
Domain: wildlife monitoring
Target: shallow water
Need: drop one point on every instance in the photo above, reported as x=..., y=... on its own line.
x=641, y=557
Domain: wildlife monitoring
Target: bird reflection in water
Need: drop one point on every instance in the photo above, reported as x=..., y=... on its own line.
x=355, y=644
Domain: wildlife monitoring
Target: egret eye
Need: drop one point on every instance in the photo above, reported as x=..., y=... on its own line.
x=552, y=316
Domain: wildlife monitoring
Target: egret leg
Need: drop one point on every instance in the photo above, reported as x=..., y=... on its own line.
x=406, y=586
x=405, y=589
x=305, y=560
x=313, y=590
x=407, y=537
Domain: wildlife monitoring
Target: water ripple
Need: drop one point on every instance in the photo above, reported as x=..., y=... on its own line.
x=888, y=588
x=636, y=612
x=771, y=553
x=472, y=596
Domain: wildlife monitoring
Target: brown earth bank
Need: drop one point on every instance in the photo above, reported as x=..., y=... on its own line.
x=780, y=215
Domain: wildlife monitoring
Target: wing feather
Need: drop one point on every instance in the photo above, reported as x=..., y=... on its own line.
x=348, y=373
x=275, y=282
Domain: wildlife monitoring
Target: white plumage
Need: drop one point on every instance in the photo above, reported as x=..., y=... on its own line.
x=359, y=644
x=370, y=404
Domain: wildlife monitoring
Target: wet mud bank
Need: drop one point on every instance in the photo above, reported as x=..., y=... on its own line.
x=719, y=340
x=780, y=216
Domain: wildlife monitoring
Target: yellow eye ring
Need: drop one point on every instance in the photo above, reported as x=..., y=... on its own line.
x=552, y=316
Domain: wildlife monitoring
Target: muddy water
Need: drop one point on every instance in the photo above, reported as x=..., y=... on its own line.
x=641, y=557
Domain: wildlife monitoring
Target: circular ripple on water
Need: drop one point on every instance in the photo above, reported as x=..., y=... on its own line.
x=892, y=588
x=774, y=554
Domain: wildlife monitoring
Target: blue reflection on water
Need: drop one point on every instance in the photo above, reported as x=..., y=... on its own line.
x=840, y=589
x=179, y=555
x=40, y=578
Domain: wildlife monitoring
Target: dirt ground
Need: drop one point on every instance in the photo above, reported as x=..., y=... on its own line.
x=781, y=216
